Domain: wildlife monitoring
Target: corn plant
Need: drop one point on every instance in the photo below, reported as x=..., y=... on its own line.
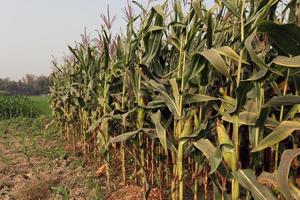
x=204, y=101
x=16, y=106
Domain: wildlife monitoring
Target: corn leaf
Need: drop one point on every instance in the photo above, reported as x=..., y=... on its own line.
x=285, y=129
x=197, y=7
x=248, y=45
x=257, y=75
x=123, y=137
x=196, y=66
x=198, y=98
x=290, y=44
x=248, y=180
x=283, y=171
x=213, y=154
x=160, y=130
x=287, y=62
x=241, y=94
x=216, y=61
x=250, y=119
x=232, y=8
x=230, y=53
x=283, y=101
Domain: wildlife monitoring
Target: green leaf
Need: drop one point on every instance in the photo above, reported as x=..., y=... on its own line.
x=160, y=130
x=250, y=119
x=196, y=66
x=96, y=123
x=287, y=62
x=228, y=105
x=62, y=191
x=248, y=180
x=140, y=6
x=198, y=98
x=257, y=75
x=159, y=9
x=197, y=7
x=230, y=53
x=209, y=30
x=248, y=45
x=216, y=61
x=155, y=104
x=232, y=8
x=223, y=136
x=285, y=129
x=169, y=100
x=226, y=144
x=187, y=129
x=106, y=51
x=175, y=91
x=123, y=137
x=175, y=42
x=283, y=101
x=291, y=32
x=217, y=191
x=153, y=40
x=283, y=171
x=263, y=115
x=111, y=115
x=258, y=60
x=241, y=94
x=156, y=28
x=293, y=111
x=213, y=154
x=215, y=161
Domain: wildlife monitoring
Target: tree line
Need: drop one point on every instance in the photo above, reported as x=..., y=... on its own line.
x=28, y=85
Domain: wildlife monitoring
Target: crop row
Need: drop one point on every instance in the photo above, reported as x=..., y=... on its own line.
x=204, y=101
x=16, y=106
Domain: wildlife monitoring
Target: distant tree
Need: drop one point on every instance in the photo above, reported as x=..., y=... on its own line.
x=28, y=85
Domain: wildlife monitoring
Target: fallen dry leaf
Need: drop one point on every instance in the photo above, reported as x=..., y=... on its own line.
x=100, y=170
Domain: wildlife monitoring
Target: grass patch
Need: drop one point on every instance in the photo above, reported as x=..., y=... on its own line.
x=42, y=104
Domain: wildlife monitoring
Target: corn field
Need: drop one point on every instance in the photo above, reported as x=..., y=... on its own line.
x=203, y=102
x=16, y=106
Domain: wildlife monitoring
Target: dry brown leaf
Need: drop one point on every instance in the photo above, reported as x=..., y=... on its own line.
x=100, y=170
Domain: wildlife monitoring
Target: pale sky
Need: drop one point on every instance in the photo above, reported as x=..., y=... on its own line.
x=33, y=30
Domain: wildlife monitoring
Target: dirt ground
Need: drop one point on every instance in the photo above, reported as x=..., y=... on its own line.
x=35, y=164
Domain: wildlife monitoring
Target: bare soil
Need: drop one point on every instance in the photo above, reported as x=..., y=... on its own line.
x=36, y=164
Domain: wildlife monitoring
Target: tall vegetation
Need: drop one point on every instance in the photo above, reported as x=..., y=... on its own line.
x=204, y=100
x=29, y=85
x=16, y=106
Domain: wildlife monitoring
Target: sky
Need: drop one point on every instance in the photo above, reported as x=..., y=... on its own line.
x=32, y=31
